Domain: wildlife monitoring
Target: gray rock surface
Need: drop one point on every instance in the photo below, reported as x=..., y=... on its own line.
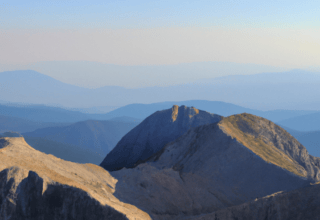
x=37, y=186
x=215, y=166
x=25, y=200
x=153, y=133
x=300, y=204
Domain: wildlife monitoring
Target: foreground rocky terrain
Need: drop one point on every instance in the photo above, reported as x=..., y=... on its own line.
x=34, y=185
x=153, y=133
x=233, y=168
x=300, y=204
x=216, y=166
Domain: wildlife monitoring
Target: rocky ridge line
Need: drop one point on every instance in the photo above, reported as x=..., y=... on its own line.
x=37, y=186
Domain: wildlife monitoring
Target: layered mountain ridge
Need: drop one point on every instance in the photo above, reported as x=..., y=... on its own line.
x=298, y=88
x=98, y=136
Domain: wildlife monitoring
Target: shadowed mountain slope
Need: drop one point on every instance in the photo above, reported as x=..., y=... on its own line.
x=99, y=137
x=300, y=204
x=153, y=133
x=218, y=165
x=37, y=186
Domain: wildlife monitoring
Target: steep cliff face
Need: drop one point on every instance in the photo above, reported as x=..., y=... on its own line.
x=153, y=133
x=37, y=186
x=300, y=204
x=215, y=166
x=23, y=198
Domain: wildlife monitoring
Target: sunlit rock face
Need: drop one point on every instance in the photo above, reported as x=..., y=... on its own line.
x=151, y=135
x=37, y=186
x=216, y=166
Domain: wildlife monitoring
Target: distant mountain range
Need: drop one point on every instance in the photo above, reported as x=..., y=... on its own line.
x=64, y=150
x=98, y=137
x=25, y=118
x=217, y=107
x=40, y=113
x=307, y=122
x=288, y=90
x=8, y=123
x=47, y=114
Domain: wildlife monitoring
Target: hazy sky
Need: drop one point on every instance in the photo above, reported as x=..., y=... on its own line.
x=274, y=34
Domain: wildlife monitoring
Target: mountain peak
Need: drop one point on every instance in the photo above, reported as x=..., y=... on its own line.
x=153, y=133
x=270, y=142
x=218, y=165
x=187, y=111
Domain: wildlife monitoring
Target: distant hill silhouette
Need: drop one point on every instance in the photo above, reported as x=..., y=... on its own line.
x=135, y=112
x=98, y=137
x=286, y=90
x=8, y=123
x=40, y=113
x=126, y=119
x=217, y=107
x=64, y=151
x=309, y=122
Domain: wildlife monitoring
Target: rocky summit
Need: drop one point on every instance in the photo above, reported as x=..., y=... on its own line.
x=151, y=135
x=37, y=186
x=214, y=166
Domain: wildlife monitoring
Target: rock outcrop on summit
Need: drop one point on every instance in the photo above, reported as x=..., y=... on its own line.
x=37, y=186
x=151, y=135
x=215, y=166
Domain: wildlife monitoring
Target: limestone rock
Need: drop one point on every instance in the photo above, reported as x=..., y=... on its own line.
x=153, y=133
x=215, y=166
x=37, y=186
x=300, y=204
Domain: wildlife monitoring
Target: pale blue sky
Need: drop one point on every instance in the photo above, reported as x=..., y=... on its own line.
x=150, y=14
x=269, y=35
